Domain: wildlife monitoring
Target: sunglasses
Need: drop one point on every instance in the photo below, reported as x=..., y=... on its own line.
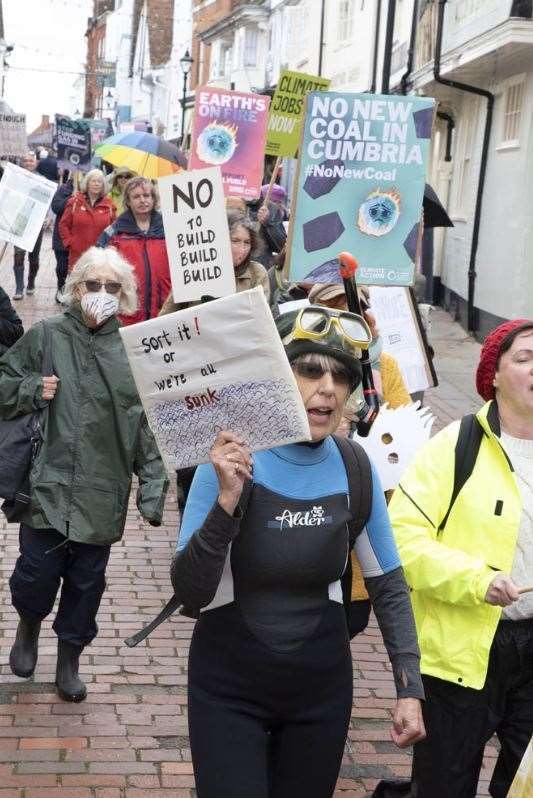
x=95, y=285
x=314, y=371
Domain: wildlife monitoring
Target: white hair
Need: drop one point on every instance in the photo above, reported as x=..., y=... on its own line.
x=89, y=176
x=95, y=256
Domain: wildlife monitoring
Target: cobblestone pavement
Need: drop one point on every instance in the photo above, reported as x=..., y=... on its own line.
x=129, y=738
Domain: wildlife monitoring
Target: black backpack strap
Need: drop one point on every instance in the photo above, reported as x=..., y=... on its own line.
x=466, y=452
x=359, y=475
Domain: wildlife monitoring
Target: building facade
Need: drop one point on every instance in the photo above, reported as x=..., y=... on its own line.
x=99, y=71
x=484, y=264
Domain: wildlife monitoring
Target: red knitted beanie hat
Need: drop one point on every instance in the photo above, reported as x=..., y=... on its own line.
x=490, y=352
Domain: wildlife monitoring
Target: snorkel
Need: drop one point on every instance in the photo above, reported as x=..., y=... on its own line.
x=368, y=413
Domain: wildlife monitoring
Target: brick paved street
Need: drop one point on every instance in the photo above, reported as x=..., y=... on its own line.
x=129, y=739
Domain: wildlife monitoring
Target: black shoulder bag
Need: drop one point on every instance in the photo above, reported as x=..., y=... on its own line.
x=20, y=440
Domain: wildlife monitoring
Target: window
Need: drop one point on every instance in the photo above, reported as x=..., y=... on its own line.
x=225, y=61
x=345, y=20
x=513, y=102
x=251, y=40
x=465, y=152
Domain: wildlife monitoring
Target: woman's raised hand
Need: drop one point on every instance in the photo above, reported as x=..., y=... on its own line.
x=233, y=466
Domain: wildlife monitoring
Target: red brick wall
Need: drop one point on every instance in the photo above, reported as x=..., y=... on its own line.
x=160, y=15
x=93, y=92
x=203, y=18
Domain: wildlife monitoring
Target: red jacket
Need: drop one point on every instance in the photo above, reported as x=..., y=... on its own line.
x=82, y=224
x=147, y=253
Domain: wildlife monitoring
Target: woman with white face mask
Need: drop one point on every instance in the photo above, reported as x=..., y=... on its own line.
x=95, y=436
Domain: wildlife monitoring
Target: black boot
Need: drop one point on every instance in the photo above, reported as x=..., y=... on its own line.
x=69, y=685
x=23, y=655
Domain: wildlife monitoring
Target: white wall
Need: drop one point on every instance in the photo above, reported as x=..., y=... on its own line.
x=118, y=49
x=348, y=62
x=294, y=38
x=504, y=262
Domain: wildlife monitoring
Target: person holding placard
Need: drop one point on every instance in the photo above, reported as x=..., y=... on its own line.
x=244, y=245
x=248, y=272
x=468, y=559
x=94, y=438
x=138, y=234
x=262, y=551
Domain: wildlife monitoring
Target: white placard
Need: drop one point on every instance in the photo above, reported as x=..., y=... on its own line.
x=394, y=439
x=197, y=234
x=295, y=304
x=400, y=334
x=215, y=366
x=24, y=201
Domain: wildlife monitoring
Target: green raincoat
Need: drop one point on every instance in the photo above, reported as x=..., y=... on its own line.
x=96, y=433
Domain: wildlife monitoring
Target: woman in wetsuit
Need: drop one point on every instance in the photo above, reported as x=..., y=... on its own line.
x=262, y=549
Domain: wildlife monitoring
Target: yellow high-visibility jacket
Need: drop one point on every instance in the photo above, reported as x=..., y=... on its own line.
x=449, y=571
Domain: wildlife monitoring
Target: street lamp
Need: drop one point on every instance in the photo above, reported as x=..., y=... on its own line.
x=186, y=63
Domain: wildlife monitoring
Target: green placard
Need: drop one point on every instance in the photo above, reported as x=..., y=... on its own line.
x=286, y=111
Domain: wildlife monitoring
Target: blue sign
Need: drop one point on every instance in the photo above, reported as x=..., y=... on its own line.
x=360, y=186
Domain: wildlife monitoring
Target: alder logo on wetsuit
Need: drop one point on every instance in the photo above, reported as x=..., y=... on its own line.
x=313, y=517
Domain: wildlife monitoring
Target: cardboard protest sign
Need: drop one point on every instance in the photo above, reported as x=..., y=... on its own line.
x=229, y=131
x=402, y=335
x=197, y=234
x=24, y=201
x=287, y=109
x=73, y=137
x=394, y=439
x=359, y=188
x=100, y=130
x=13, y=140
x=220, y=365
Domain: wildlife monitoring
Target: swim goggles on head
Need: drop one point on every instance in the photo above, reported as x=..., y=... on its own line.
x=328, y=325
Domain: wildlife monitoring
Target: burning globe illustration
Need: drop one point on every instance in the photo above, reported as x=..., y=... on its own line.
x=379, y=212
x=217, y=143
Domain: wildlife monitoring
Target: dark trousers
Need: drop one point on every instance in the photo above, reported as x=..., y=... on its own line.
x=267, y=724
x=460, y=721
x=33, y=258
x=61, y=266
x=46, y=558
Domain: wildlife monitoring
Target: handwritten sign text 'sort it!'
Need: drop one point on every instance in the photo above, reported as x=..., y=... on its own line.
x=197, y=236
x=219, y=365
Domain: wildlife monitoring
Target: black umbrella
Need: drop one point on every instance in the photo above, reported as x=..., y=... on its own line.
x=434, y=212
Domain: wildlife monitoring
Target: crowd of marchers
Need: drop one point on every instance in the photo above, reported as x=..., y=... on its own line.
x=447, y=564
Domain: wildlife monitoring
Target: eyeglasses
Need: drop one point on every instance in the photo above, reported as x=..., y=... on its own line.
x=315, y=323
x=95, y=285
x=124, y=177
x=314, y=371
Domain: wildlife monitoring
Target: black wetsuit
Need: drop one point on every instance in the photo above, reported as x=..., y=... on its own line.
x=270, y=670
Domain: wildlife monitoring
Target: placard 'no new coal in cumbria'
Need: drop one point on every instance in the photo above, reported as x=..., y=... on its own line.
x=360, y=186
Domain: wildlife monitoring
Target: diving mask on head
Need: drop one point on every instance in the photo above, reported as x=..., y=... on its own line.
x=336, y=328
x=326, y=331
